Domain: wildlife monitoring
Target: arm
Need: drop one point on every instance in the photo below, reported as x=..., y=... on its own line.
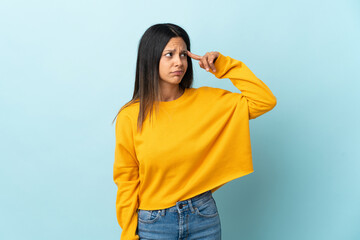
x=259, y=97
x=126, y=177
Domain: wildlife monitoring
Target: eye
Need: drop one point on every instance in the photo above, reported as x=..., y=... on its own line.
x=168, y=54
x=183, y=54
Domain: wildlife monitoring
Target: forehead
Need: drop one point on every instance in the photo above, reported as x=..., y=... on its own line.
x=176, y=42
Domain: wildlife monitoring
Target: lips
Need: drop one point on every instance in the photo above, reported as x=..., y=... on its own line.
x=178, y=72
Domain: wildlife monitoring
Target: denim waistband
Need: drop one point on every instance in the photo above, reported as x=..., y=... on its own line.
x=198, y=198
x=189, y=204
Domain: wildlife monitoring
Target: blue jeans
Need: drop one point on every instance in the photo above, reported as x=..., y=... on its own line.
x=194, y=218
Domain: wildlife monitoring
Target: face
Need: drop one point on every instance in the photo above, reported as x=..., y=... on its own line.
x=173, y=62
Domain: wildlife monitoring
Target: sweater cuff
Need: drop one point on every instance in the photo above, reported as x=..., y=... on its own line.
x=219, y=64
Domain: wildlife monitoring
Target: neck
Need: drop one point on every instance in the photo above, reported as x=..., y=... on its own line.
x=171, y=94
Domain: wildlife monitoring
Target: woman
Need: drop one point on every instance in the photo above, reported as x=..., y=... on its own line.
x=167, y=168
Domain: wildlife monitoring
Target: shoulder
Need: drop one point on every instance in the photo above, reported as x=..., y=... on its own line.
x=128, y=113
x=218, y=96
x=212, y=91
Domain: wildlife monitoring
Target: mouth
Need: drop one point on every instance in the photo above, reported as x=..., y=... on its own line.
x=178, y=73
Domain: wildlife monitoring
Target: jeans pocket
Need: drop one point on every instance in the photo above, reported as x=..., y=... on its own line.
x=148, y=216
x=207, y=209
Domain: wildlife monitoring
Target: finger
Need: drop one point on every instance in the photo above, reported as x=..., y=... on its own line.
x=205, y=61
x=201, y=65
x=193, y=56
x=211, y=63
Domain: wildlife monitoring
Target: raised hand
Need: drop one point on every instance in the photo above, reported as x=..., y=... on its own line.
x=207, y=61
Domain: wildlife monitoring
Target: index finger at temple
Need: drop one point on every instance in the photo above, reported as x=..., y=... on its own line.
x=194, y=56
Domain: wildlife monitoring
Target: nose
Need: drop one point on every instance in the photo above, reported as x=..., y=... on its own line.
x=178, y=61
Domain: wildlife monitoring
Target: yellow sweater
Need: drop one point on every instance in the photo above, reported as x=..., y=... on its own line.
x=197, y=142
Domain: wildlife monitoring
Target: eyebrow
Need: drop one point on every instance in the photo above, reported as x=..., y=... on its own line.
x=173, y=50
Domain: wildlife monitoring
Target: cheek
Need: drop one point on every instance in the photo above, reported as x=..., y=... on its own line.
x=162, y=67
x=164, y=64
x=185, y=63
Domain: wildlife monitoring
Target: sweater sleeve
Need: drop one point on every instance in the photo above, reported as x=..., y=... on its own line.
x=259, y=97
x=126, y=177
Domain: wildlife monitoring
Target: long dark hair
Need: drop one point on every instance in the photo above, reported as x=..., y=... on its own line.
x=147, y=89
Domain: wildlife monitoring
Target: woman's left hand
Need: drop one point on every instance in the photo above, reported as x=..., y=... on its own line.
x=206, y=61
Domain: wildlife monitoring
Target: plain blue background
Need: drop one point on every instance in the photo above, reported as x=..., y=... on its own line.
x=66, y=67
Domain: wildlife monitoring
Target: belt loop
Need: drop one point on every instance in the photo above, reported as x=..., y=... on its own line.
x=163, y=212
x=191, y=206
